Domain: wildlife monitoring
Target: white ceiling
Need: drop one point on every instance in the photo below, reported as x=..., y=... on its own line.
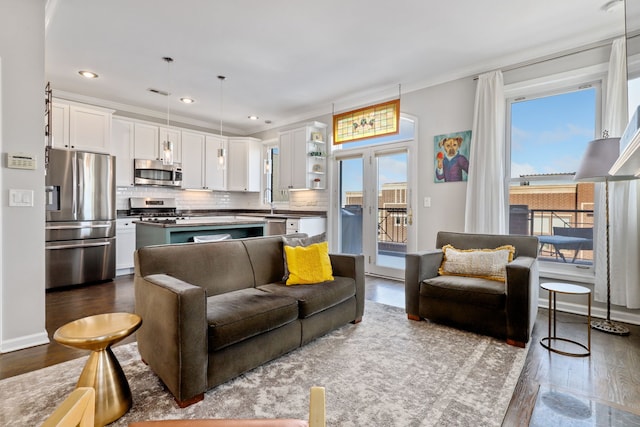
x=288, y=60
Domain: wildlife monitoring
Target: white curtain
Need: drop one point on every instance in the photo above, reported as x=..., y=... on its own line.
x=623, y=201
x=485, y=205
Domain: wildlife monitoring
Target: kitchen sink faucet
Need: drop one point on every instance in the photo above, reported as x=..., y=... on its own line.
x=268, y=199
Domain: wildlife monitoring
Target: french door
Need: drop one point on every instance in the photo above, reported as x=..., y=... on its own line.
x=375, y=206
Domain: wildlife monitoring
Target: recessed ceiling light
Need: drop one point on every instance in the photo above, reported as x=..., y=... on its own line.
x=188, y=100
x=88, y=74
x=253, y=117
x=613, y=5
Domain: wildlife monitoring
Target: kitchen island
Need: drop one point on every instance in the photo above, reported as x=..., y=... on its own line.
x=184, y=230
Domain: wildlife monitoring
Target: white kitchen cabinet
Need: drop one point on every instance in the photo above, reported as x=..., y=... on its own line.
x=81, y=127
x=175, y=136
x=122, y=147
x=150, y=140
x=193, y=159
x=244, y=164
x=215, y=174
x=303, y=157
x=311, y=226
x=292, y=159
x=60, y=125
x=125, y=245
x=146, y=138
x=89, y=129
x=200, y=166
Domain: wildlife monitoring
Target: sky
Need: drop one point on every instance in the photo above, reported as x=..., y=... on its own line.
x=550, y=134
x=391, y=168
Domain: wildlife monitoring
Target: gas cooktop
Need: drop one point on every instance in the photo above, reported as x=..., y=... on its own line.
x=151, y=209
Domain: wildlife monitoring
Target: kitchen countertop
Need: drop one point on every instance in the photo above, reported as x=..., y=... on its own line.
x=260, y=214
x=200, y=222
x=263, y=214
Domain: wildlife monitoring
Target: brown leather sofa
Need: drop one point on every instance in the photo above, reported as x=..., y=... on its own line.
x=503, y=310
x=211, y=311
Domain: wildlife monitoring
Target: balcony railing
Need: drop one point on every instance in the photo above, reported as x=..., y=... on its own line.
x=566, y=235
x=392, y=231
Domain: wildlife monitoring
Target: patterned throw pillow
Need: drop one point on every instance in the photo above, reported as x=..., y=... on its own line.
x=308, y=264
x=484, y=263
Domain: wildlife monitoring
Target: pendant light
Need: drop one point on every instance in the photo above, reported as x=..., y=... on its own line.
x=266, y=169
x=222, y=155
x=167, y=144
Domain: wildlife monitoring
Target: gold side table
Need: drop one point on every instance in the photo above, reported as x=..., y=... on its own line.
x=102, y=371
x=569, y=289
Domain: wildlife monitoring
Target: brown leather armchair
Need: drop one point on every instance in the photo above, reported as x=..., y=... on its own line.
x=503, y=310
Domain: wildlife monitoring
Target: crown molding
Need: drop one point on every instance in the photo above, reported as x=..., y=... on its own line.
x=145, y=112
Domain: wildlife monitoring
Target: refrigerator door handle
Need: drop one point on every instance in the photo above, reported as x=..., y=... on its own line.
x=74, y=227
x=49, y=193
x=79, y=245
x=74, y=184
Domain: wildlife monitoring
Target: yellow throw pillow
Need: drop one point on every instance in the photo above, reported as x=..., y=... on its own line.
x=308, y=264
x=484, y=263
x=299, y=241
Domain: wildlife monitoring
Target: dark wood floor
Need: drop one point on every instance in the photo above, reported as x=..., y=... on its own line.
x=611, y=374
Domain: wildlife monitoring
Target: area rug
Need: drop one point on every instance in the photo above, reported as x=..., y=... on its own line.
x=384, y=371
x=563, y=408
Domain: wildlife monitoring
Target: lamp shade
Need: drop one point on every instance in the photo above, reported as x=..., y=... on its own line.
x=598, y=158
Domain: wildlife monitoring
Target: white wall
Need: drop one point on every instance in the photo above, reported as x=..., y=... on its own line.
x=440, y=110
x=22, y=291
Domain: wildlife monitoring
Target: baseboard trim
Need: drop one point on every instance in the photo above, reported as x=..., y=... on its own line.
x=124, y=271
x=23, y=342
x=598, y=312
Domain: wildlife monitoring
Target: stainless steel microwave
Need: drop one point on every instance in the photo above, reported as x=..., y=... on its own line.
x=155, y=172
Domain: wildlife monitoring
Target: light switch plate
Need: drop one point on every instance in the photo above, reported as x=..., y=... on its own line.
x=22, y=198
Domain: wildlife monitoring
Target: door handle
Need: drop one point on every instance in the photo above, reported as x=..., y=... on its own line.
x=79, y=245
x=49, y=193
x=74, y=184
x=75, y=227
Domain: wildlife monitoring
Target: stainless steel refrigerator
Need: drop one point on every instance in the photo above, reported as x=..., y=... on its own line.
x=80, y=217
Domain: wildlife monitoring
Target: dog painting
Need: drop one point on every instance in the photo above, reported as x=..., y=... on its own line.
x=451, y=155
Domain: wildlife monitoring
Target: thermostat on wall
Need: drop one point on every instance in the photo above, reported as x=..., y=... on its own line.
x=21, y=161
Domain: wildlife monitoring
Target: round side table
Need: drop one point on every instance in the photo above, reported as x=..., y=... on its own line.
x=569, y=289
x=102, y=371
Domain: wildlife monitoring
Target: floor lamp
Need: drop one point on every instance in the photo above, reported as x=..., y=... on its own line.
x=600, y=155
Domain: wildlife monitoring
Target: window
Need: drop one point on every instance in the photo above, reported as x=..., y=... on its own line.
x=406, y=133
x=548, y=135
x=368, y=122
x=633, y=94
x=272, y=193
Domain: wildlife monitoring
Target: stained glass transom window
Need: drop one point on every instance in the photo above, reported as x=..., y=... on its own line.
x=369, y=122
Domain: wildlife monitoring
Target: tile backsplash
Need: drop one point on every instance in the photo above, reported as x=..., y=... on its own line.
x=195, y=200
x=309, y=200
